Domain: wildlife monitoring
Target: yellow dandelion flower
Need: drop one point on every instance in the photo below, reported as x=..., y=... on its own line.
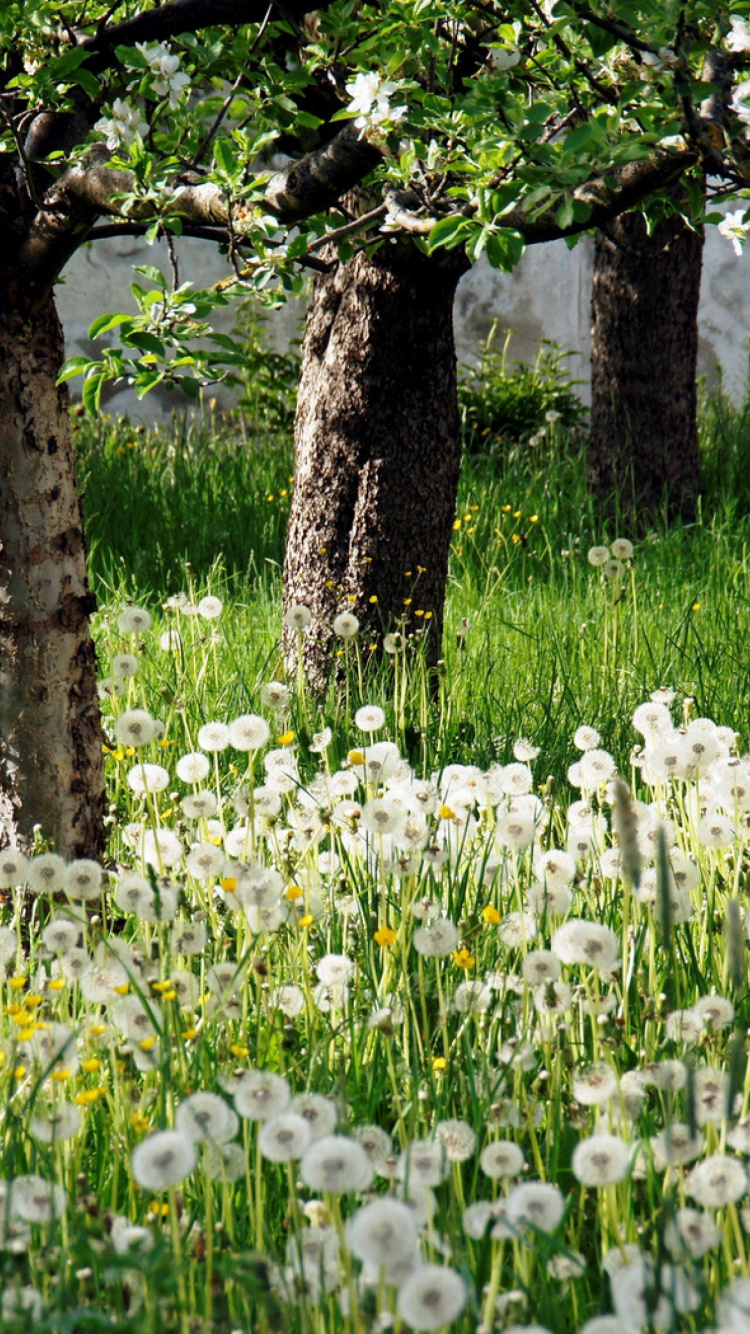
x=385, y=936
x=464, y=959
x=491, y=915
x=439, y=1063
x=285, y=739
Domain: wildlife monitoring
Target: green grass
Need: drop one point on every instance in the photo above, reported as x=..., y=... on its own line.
x=537, y=642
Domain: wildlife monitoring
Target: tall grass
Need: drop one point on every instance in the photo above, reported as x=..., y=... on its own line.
x=536, y=641
x=531, y=1011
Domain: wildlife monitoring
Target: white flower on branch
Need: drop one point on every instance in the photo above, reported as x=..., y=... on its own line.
x=164, y=66
x=371, y=100
x=121, y=128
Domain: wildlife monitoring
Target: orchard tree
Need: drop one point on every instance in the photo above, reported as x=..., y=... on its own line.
x=417, y=135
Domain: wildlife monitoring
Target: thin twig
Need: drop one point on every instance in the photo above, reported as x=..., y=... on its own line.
x=348, y=228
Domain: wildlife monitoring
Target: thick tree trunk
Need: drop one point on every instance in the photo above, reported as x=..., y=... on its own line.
x=51, y=771
x=644, y=441
x=378, y=452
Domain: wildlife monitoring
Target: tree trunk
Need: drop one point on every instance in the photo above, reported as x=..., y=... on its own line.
x=51, y=764
x=644, y=439
x=378, y=452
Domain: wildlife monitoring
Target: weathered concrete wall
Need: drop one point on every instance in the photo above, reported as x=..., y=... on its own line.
x=548, y=296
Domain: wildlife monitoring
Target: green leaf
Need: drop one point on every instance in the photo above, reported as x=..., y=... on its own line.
x=92, y=391
x=190, y=387
x=224, y=157
x=72, y=367
x=448, y=232
x=106, y=322
x=153, y=274
x=145, y=342
x=565, y=217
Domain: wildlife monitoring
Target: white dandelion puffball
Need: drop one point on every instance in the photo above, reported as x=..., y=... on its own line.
x=144, y=778
x=225, y=1162
x=423, y=1163
x=213, y=737
x=46, y=874
x=597, y=555
x=297, y=616
x=275, y=695
x=249, y=732
x=370, y=718
x=205, y=1117
x=320, y=1113
x=161, y=847
x=501, y=1158
x=13, y=868
x=584, y=942
x=333, y=969
x=536, y=1204
x=284, y=1138
x=83, y=880
x=261, y=1095
x=163, y=1160
x=210, y=608
x=595, y=1084
x=376, y=1143
x=57, y=1124
x=58, y=936
x=136, y=727
x=717, y=1181
x=346, y=625
x=125, y=664
x=437, y=939
x=35, y=1200
x=457, y=1138
x=134, y=621
x=432, y=1297
x=383, y=1232
x=601, y=1160
x=336, y=1164
x=193, y=768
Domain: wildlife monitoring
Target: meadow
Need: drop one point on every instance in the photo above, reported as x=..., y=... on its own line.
x=405, y=1009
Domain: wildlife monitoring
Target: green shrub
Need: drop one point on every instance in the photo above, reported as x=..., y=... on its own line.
x=502, y=403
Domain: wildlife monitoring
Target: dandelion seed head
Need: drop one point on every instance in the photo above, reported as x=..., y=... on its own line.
x=163, y=1160
x=335, y=1165
x=135, y=727
x=431, y=1298
x=261, y=1094
x=285, y=1137
x=601, y=1160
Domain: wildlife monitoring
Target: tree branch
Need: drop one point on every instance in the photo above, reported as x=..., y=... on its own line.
x=90, y=190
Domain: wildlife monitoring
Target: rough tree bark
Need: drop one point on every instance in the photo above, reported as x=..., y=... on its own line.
x=378, y=451
x=644, y=441
x=51, y=762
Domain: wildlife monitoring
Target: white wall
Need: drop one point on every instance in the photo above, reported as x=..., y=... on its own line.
x=548, y=296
